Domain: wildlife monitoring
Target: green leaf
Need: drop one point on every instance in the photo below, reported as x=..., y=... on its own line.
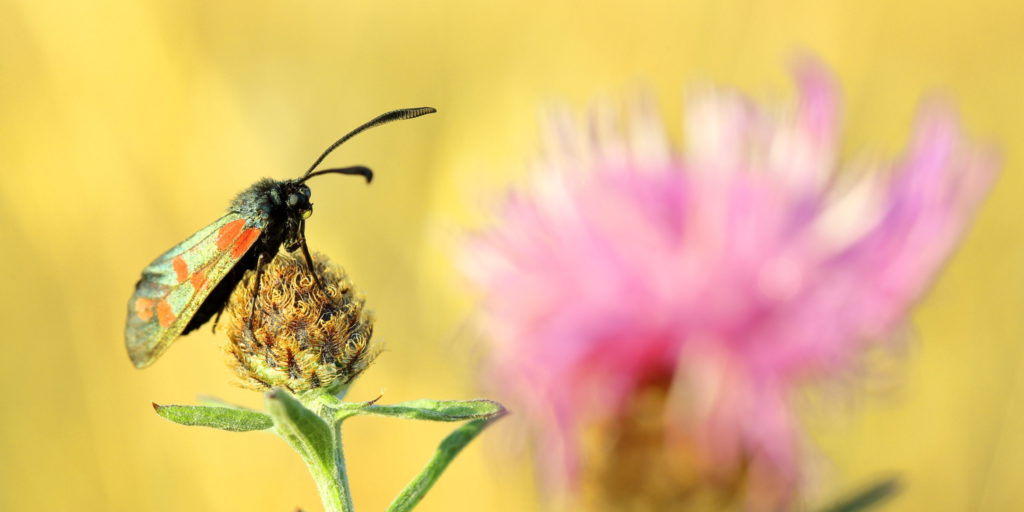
x=446, y=451
x=224, y=418
x=302, y=428
x=867, y=498
x=430, y=410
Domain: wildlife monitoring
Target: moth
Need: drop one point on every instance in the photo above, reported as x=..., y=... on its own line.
x=189, y=284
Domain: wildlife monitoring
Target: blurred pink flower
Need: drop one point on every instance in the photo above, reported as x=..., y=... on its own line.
x=737, y=269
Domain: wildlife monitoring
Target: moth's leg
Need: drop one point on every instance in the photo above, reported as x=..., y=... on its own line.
x=216, y=319
x=309, y=259
x=256, y=290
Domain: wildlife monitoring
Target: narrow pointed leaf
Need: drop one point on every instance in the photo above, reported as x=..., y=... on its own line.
x=446, y=451
x=430, y=410
x=867, y=498
x=223, y=418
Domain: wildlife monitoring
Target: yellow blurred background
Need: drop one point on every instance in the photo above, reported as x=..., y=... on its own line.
x=126, y=125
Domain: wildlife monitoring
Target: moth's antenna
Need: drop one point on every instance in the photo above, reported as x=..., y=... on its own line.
x=355, y=170
x=394, y=115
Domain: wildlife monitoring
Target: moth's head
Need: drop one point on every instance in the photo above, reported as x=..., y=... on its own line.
x=295, y=197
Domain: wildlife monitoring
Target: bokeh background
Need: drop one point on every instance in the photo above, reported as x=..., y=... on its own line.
x=127, y=125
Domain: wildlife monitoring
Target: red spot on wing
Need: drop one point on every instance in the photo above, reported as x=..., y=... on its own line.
x=144, y=308
x=228, y=233
x=244, y=242
x=164, y=314
x=180, y=268
x=198, y=280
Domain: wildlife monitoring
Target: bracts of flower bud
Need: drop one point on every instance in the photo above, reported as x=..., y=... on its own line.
x=299, y=335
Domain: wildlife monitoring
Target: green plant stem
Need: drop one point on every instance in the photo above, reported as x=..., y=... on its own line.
x=339, y=463
x=318, y=442
x=332, y=486
x=331, y=477
x=336, y=493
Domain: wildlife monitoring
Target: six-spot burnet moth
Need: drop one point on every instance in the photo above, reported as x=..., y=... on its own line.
x=189, y=284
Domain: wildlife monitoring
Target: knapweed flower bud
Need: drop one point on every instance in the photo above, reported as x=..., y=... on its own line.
x=299, y=335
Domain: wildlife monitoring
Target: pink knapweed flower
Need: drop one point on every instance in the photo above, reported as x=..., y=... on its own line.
x=736, y=269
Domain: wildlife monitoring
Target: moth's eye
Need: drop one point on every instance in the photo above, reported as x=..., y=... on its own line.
x=308, y=212
x=293, y=199
x=305, y=191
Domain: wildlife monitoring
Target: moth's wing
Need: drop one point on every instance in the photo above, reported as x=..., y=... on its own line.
x=174, y=285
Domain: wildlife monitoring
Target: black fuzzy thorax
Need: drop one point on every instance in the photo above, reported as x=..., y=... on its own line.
x=265, y=203
x=263, y=200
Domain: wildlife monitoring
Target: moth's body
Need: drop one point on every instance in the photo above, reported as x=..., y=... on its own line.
x=191, y=283
x=267, y=201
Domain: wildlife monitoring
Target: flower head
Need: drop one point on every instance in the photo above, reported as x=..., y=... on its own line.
x=726, y=274
x=299, y=336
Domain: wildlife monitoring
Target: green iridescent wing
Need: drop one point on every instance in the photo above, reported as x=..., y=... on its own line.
x=174, y=285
